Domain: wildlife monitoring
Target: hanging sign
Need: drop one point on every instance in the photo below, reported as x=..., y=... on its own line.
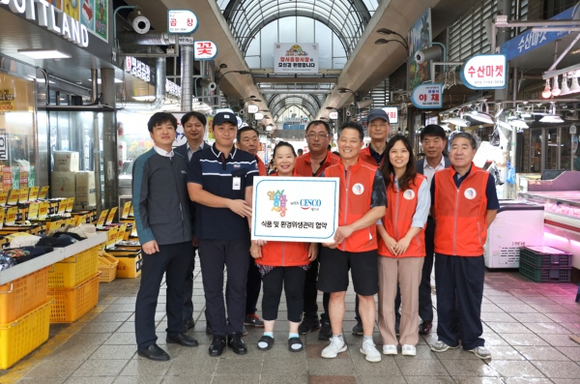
x=204, y=50
x=333, y=115
x=253, y=108
x=427, y=96
x=138, y=68
x=295, y=58
x=484, y=72
x=181, y=21
x=393, y=114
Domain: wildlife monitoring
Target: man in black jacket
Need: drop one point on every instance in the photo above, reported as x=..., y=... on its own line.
x=163, y=223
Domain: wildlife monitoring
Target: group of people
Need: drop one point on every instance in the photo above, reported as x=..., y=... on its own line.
x=395, y=217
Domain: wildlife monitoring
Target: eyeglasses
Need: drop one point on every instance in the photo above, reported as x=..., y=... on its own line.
x=320, y=136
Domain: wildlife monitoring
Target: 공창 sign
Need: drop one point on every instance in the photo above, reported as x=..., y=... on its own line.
x=181, y=21
x=484, y=72
x=298, y=209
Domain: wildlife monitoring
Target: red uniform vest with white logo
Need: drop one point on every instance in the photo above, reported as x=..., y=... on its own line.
x=399, y=217
x=303, y=165
x=284, y=254
x=461, y=226
x=365, y=155
x=356, y=188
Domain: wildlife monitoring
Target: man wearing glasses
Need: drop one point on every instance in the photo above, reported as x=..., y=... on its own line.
x=312, y=164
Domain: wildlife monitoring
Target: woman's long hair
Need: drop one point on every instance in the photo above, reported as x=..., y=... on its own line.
x=387, y=167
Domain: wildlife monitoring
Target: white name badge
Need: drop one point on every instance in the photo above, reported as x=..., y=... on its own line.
x=236, y=183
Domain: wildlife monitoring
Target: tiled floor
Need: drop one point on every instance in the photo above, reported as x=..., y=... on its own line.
x=526, y=326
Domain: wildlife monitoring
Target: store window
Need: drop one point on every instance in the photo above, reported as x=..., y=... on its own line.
x=17, y=132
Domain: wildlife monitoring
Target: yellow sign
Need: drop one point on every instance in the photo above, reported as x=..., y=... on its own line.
x=112, y=236
x=3, y=198
x=43, y=192
x=121, y=233
x=1, y=217
x=82, y=219
x=23, y=195
x=62, y=206
x=11, y=215
x=7, y=106
x=111, y=215
x=34, y=193
x=43, y=210
x=102, y=218
x=33, y=210
x=13, y=197
x=69, y=204
x=126, y=209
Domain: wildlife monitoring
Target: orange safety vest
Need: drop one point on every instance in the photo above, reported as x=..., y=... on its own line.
x=261, y=167
x=365, y=155
x=460, y=213
x=356, y=188
x=303, y=166
x=399, y=217
x=284, y=254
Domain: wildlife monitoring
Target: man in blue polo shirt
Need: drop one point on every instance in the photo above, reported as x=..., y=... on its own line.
x=220, y=179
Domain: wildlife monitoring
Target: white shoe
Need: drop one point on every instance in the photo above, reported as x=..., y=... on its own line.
x=334, y=348
x=408, y=350
x=481, y=352
x=390, y=349
x=370, y=351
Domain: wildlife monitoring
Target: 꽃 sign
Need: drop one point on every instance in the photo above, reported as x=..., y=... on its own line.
x=204, y=50
x=181, y=21
x=484, y=72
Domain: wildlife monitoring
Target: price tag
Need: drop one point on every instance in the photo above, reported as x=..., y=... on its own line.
x=43, y=192
x=23, y=196
x=131, y=214
x=3, y=198
x=13, y=196
x=69, y=204
x=34, y=193
x=43, y=210
x=111, y=215
x=126, y=210
x=102, y=218
x=11, y=215
x=112, y=236
x=81, y=220
x=62, y=206
x=1, y=217
x=33, y=210
x=121, y=232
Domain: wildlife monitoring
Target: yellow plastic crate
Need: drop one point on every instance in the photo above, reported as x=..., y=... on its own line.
x=22, y=336
x=23, y=295
x=71, y=303
x=75, y=269
x=107, y=267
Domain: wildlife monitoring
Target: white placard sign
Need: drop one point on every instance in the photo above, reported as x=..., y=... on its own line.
x=299, y=209
x=295, y=58
x=484, y=72
x=253, y=108
x=393, y=114
x=427, y=96
x=204, y=50
x=181, y=21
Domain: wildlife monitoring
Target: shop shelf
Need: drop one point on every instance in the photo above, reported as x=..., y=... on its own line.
x=561, y=275
x=23, y=295
x=73, y=270
x=23, y=335
x=546, y=257
x=71, y=303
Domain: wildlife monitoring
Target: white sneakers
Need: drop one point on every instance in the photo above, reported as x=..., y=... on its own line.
x=390, y=349
x=481, y=352
x=408, y=350
x=334, y=348
x=370, y=351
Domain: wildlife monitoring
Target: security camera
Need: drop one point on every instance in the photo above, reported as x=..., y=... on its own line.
x=430, y=53
x=254, y=123
x=242, y=112
x=348, y=113
x=139, y=22
x=210, y=85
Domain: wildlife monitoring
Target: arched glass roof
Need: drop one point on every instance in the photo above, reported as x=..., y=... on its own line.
x=346, y=18
x=281, y=101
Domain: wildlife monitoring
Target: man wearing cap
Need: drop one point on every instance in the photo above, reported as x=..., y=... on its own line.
x=220, y=180
x=193, y=124
x=378, y=127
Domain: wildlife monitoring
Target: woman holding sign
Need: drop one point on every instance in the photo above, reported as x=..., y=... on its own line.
x=282, y=263
x=401, y=245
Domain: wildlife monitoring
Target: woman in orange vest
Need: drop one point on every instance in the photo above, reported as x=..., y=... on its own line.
x=283, y=263
x=401, y=245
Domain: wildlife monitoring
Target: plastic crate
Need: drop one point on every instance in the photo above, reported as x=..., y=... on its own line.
x=546, y=257
x=23, y=295
x=75, y=269
x=561, y=275
x=71, y=303
x=107, y=268
x=23, y=335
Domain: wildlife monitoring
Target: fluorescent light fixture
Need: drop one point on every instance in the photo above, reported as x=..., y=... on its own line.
x=99, y=80
x=551, y=119
x=144, y=98
x=41, y=54
x=457, y=121
x=519, y=124
x=482, y=117
x=504, y=125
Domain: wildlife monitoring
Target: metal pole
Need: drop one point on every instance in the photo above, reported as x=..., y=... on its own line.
x=109, y=138
x=514, y=135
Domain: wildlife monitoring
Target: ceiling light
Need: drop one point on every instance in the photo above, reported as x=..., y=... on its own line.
x=99, y=80
x=41, y=54
x=518, y=123
x=457, y=121
x=482, y=117
x=144, y=98
x=575, y=87
x=551, y=119
x=556, y=89
x=565, y=89
x=504, y=125
x=546, y=93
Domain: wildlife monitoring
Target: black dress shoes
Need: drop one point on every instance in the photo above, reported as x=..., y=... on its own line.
x=236, y=343
x=188, y=324
x=153, y=352
x=182, y=339
x=217, y=346
x=425, y=327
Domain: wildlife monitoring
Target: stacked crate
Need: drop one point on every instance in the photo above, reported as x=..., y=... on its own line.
x=24, y=316
x=546, y=264
x=73, y=284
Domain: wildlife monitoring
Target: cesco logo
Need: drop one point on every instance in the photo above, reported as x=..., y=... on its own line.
x=310, y=203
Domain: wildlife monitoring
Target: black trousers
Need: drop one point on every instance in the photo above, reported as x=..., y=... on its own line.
x=173, y=260
x=311, y=294
x=459, y=283
x=214, y=255
x=253, y=287
x=425, y=302
x=188, y=291
x=293, y=280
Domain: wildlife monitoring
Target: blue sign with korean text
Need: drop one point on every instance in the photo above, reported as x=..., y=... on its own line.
x=529, y=40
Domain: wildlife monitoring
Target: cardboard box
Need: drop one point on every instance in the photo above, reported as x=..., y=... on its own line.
x=86, y=195
x=63, y=184
x=66, y=161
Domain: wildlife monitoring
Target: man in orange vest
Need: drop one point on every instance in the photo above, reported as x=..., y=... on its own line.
x=378, y=128
x=362, y=204
x=464, y=204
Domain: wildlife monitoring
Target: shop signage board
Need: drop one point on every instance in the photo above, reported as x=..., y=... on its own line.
x=205, y=50
x=138, y=68
x=393, y=114
x=172, y=89
x=299, y=209
x=253, y=108
x=295, y=58
x=333, y=115
x=484, y=72
x=181, y=21
x=65, y=24
x=428, y=96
